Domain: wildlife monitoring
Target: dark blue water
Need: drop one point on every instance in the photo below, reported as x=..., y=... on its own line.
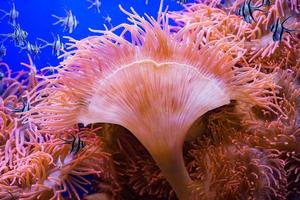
x=35, y=18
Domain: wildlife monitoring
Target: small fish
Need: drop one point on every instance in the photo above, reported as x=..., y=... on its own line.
x=13, y=14
x=1, y=75
x=25, y=108
x=69, y=22
x=182, y=1
x=77, y=144
x=247, y=10
x=1, y=83
x=57, y=45
x=278, y=29
x=32, y=49
x=107, y=20
x=96, y=4
x=2, y=51
x=18, y=35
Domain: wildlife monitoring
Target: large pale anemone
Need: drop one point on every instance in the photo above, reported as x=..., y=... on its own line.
x=155, y=85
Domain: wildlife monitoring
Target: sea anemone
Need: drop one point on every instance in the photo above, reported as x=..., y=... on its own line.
x=43, y=167
x=36, y=165
x=217, y=22
x=137, y=171
x=156, y=84
x=237, y=171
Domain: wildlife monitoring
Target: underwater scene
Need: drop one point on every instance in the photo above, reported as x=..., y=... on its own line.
x=150, y=100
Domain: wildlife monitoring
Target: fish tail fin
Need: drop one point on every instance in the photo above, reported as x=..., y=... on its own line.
x=46, y=43
x=286, y=19
x=3, y=11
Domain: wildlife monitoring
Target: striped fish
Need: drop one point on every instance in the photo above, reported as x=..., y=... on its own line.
x=77, y=144
x=24, y=108
x=247, y=10
x=278, y=29
x=1, y=83
x=182, y=1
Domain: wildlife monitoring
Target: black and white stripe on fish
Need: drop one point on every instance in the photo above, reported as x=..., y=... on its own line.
x=278, y=29
x=247, y=10
x=77, y=144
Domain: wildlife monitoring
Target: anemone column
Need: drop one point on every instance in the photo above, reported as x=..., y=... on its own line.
x=157, y=102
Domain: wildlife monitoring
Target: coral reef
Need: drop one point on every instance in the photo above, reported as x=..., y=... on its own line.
x=206, y=108
x=35, y=165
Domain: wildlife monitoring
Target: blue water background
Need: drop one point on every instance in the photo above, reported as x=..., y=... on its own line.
x=35, y=18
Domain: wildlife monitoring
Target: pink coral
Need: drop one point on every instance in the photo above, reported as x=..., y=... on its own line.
x=35, y=165
x=208, y=108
